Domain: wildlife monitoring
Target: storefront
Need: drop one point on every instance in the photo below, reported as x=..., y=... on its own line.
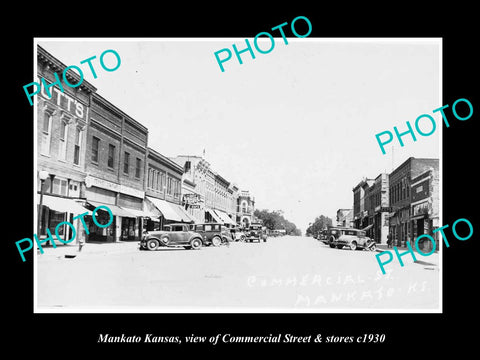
x=126, y=204
x=167, y=213
x=211, y=216
x=422, y=224
x=56, y=210
x=131, y=226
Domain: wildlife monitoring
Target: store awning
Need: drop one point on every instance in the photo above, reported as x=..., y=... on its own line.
x=367, y=227
x=141, y=213
x=224, y=216
x=166, y=209
x=186, y=217
x=116, y=210
x=214, y=215
x=417, y=217
x=62, y=204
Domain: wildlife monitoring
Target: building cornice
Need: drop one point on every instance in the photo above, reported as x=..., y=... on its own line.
x=57, y=66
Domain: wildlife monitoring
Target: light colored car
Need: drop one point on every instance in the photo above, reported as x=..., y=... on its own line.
x=355, y=239
x=239, y=235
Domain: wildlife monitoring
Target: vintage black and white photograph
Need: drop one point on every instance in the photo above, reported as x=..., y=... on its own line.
x=233, y=175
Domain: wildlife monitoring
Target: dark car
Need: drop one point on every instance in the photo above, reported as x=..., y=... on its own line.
x=173, y=235
x=212, y=233
x=322, y=235
x=227, y=235
x=255, y=233
x=332, y=234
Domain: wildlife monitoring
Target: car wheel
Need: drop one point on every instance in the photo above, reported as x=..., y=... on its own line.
x=353, y=245
x=165, y=240
x=339, y=246
x=196, y=244
x=152, y=244
x=373, y=247
x=331, y=242
x=216, y=241
x=242, y=238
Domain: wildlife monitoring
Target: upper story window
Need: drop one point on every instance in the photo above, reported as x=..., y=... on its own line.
x=111, y=156
x=126, y=162
x=138, y=167
x=76, y=149
x=62, y=148
x=95, y=146
x=46, y=135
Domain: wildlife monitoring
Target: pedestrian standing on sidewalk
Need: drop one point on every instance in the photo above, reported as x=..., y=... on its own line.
x=389, y=241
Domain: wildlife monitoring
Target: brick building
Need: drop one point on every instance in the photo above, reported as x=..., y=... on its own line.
x=360, y=213
x=425, y=205
x=61, y=139
x=378, y=208
x=115, y=165
x=400, y=197
x=164, y=191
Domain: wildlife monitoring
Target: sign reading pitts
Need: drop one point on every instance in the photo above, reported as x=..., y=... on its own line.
x=64, y=101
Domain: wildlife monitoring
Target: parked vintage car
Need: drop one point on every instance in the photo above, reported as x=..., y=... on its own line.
x=239, y=234
x=355, y=239
x=332, y=234
x=322, y=236
x=227, y=235
x=212, y=233
x=255, y=233
x=172, y=235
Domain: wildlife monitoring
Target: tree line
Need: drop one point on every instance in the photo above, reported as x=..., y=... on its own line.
x=274, y=220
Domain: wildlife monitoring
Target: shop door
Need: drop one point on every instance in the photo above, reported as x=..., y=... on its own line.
x=128, y=229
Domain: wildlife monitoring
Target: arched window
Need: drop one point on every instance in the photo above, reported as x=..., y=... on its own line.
x=244, y=206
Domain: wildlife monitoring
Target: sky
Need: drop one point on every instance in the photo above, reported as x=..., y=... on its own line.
x=295, y=126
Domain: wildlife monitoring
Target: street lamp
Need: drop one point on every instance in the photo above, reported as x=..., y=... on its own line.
x=42, y=175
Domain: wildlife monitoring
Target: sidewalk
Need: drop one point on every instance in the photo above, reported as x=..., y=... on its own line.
x=88, y=248
x=432, y=259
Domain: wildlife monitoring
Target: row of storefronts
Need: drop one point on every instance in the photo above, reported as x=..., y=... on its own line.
x=90, y=153
x=399, y=206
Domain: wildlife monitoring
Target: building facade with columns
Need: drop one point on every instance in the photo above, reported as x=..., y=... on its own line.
x=62, y=121
x=194, y=185
x=208, y=196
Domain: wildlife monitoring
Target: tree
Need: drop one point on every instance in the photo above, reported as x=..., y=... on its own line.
x=274, y=220
x=321, y=222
